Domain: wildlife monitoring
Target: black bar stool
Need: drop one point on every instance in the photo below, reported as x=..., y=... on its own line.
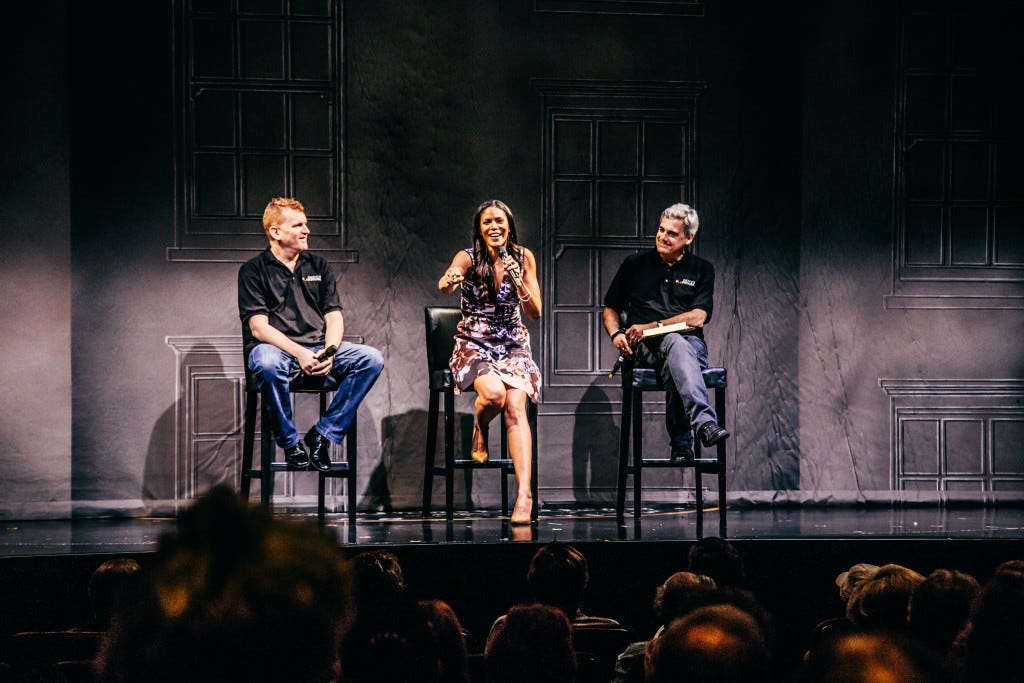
x=635, y=381
x=441, y=325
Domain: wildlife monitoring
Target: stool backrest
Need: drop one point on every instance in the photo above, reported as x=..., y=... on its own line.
x=442, y=323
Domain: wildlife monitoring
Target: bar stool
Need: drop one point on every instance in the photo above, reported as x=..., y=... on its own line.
x=636, y=381
x=441, y=325
x=269, y=465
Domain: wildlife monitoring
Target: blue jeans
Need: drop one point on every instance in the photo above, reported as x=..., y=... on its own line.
x=356, y=368
x=679, y=360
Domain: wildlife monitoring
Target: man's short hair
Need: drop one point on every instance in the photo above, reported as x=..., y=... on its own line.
x=715, y=644
x=272, y=214
x=685, y=213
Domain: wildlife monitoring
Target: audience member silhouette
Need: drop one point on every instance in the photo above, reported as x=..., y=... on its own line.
x=714, y=644
x=396, y=646
x=558, y=576
x=881, y=601
x=715, y=557
x=940, y=608
x=680, y=593
x=450, y=641
x=111, y=584
x=233, y=595
x=531, y=644
x=994, y=641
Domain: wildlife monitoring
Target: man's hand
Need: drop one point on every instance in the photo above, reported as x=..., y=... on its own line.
x=312, y=366
x=634, y=334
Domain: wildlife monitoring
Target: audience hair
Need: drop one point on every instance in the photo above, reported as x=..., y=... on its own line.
x=111, y=587
x=881, y=601
x=941, y=606
x=680, y=593
x=862, y=657
x=449, y=639
x=558, y=576
x=233, y=594
x=532, y=643
x=714, y=644
x=996, y=632
x=715, y=557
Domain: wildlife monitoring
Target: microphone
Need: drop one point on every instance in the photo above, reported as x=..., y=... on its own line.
x=617, y=365
x=327, y=353
x=514, y=274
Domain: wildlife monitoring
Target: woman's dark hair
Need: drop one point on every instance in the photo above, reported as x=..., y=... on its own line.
x=481, y=260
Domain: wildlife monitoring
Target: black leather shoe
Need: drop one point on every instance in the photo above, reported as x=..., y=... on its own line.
x=296, y=456
x=710, y=434
x=319, y=449
x=682, y=454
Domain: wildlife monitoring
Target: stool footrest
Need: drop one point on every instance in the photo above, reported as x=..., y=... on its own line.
x=489, y=464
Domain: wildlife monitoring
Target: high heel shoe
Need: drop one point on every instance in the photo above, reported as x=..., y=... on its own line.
x=478, y=447
x=522, y=513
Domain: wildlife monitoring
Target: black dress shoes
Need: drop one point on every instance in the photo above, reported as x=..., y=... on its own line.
x=710, y=434
x=682, y=454
x=296, y=456
x=319, y=449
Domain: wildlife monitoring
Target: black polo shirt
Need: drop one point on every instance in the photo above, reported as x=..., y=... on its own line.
x=648, y=289
x=294, y=303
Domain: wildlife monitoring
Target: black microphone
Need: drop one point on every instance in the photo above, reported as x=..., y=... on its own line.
x=514, y=274
x=327, y=353
x=618, y=364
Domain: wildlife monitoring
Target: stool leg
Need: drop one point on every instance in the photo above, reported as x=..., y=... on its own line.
x=430, y=452
x=624, y=436
x=248, y=440
x=449, y=453
x=532, y=419
x=267, y=448
x=504, y=468
x=638, y=448
x=351, y=483
x=321, y=495
x=699, y=493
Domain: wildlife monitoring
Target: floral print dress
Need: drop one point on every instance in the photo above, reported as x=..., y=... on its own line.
x=492, y=338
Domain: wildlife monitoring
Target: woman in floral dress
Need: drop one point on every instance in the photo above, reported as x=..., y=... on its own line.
x=492, y=354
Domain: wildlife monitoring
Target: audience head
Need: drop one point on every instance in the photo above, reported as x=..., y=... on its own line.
x=1011, y=566
x=717, y=558
x=881, y=602
x=233, y=594
x=376, y=578
x=558, y=576
x=681, y=592
x=853, y=577
x=450, y=640
x=532, y=643
x=994, y=641
x=396, y=646
x=863, y=658
x=941, y=606
x=111, y=583
x=714, y=644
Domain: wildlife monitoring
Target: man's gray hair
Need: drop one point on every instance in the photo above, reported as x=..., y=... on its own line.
x=685, y=213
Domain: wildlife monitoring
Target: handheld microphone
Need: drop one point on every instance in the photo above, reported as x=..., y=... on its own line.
x=617, y=365
x=514, y=274
x=327, y=353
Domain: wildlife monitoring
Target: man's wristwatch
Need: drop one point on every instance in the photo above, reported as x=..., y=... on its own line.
x=616, y=333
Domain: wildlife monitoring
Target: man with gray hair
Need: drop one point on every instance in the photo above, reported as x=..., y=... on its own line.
x=669, y=287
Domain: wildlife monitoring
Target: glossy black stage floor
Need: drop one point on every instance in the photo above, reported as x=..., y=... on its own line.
x=477, y=563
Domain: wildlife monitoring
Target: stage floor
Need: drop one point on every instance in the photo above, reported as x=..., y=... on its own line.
x=140, y=535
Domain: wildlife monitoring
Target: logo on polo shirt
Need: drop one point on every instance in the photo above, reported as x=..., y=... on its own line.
x=311, y=278
x=689, y=283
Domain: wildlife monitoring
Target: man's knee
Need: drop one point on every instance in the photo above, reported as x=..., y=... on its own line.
x=373, y=359
x=266, y=359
